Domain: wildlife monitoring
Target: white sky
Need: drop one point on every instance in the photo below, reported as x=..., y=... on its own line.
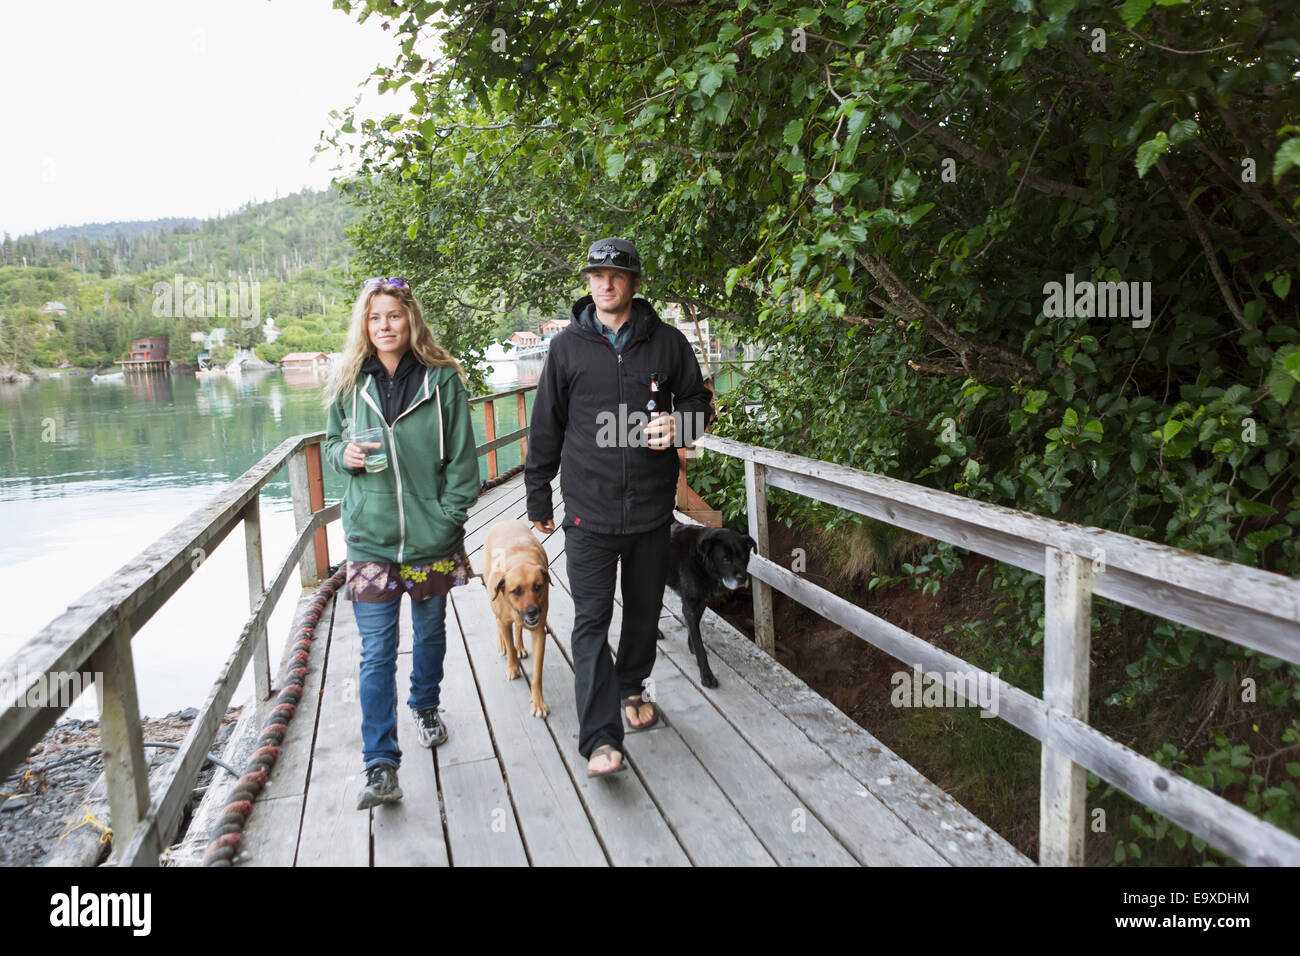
x=140, y=109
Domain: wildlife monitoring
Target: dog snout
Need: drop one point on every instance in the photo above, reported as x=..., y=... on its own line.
x=734, y=583
x=531, y=614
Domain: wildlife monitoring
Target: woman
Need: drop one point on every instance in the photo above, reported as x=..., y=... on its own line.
x=404, y=520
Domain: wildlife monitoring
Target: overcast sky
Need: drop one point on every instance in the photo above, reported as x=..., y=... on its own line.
x=140, y=109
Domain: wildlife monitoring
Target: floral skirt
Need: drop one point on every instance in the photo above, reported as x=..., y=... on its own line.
x=376, y=581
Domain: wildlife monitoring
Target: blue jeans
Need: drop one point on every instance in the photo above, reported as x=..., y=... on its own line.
x=378, y=626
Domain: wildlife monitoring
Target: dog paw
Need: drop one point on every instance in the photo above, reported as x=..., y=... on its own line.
x=708, y=680
x=513, y=673
x=521, y=651
x=539, y=708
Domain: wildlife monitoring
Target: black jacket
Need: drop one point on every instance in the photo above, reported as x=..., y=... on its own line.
x=609, y=484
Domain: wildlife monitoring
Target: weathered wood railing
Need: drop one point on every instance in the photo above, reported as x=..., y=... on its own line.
x=1250, y=607
x=94, y=635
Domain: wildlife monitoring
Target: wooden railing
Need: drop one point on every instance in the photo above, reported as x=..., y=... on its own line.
x=94, y=635
x=520, y=434
x=1244, y=605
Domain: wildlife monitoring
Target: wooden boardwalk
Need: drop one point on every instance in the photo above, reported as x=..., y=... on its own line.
x=760, y=771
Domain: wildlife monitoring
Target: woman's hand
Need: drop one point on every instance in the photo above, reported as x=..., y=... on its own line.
x=354, y=455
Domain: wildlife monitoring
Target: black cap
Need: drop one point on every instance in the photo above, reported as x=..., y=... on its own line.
x=613, y=254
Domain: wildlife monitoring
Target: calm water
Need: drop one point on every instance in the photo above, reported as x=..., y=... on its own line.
x=91, y=474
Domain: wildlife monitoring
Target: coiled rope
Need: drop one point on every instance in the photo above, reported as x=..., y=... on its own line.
x=229, y=832
x=504, y=476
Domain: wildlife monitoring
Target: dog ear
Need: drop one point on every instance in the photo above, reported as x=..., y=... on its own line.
x=752, y=545
x=546, y=576
x=501, y=586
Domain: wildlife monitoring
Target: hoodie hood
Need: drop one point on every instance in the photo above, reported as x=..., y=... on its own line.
x=405, y=366
x=644, y=320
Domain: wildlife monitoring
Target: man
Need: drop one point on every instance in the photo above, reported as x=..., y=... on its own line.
x=618, y=477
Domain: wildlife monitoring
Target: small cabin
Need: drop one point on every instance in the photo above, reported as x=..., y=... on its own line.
x=554, y=327
x=305, y=360
x=525, y=339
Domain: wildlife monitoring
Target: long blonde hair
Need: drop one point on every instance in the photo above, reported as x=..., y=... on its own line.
x=358, y=347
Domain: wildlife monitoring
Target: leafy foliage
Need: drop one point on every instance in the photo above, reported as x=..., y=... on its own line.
x=882, y=195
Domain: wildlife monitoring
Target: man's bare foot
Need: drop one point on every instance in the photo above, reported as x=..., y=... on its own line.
x=638, y=715
x=604, y=759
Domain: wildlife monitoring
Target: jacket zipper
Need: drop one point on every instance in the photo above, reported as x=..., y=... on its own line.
x=626, y=490
x=397, y=468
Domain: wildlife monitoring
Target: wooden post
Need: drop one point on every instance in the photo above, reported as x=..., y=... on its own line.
x=316, y=497
x=299, y=490
x=756, y=502
x=490, y=432
x=121, y=737
x=256, y=585
x=522, y=399
x=1067, y=640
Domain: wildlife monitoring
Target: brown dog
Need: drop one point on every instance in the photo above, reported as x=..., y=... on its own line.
x=518, y=586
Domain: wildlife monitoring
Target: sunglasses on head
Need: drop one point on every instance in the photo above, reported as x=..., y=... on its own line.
x=617, y=257
x=396, y=282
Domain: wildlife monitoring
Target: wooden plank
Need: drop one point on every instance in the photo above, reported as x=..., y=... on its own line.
x=1223, y=825
x=555, y=827
x=1250, y=607
x=627, y=821
x=120, y=737
x=481, y=825
x=256, y=584
x=409, y=833
x=334, y=831
x=957, y=834
x=1067, y=641
x=300, y=492
x=271, y=832
x=859, y=820
x=130, y=594
x=707, y=824
x=756, y=504
x=788, y=829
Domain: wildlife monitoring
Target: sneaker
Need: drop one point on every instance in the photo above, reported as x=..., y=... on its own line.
x=381, y=787
x=429, y=728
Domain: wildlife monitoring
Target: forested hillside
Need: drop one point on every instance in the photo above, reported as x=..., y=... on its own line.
x=295, y=247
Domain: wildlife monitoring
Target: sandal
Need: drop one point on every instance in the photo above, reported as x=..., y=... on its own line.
x=605, y=750
x=636, y=703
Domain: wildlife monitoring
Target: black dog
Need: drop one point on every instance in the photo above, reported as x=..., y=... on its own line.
x=702, y=562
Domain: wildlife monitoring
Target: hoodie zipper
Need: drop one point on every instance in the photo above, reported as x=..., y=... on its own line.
x=397, y=469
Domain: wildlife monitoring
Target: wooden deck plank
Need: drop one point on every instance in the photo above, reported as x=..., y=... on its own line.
x=771, y=811
x=954, y=832
x=554, y=823
x=864, y=825
x=628, y=824
x=481, y=825
x=334, y=831
x=708, y=825
x=409, y=833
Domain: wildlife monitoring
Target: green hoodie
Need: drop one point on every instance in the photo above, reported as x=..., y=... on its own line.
x=414, y=510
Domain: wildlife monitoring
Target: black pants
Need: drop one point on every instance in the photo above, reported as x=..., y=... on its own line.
x=591, y=560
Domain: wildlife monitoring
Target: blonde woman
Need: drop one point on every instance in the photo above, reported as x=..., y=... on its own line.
x=404, y=509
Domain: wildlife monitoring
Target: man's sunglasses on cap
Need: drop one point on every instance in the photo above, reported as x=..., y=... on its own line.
x=615, y=257
x=396, y=281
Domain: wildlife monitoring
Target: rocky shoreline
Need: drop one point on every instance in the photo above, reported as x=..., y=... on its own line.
x=38, y=799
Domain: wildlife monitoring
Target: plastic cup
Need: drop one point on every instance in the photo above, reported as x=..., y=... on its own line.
x=376, y=458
